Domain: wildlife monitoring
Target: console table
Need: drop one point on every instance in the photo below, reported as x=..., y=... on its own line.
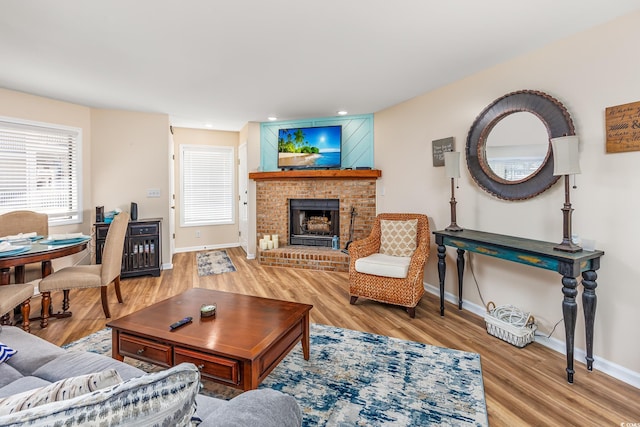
x=536, y=254
x=142, y=247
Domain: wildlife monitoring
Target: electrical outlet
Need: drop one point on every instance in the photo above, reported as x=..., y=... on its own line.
x=197, y=234
x=153, y=192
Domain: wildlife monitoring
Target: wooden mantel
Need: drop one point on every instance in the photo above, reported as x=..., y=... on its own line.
x=317, y=174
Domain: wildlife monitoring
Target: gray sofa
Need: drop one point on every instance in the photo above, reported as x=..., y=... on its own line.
x=39, y=363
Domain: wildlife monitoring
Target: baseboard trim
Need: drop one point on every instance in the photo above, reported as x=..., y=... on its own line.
x=207, y=247
x=603, y=365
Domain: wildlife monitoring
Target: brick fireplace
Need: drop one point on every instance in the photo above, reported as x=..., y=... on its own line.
x=353, y=189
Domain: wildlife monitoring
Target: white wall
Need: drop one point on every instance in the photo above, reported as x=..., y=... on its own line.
x=211, y=235
x=124, y=153
x=129, y=157
x=587, y=72
x=23, y=106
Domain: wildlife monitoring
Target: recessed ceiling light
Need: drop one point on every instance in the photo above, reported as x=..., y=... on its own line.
x=342, y=113
x=272, y=118
x=208, y=125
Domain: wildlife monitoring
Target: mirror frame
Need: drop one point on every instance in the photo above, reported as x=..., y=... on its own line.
x=555, y=118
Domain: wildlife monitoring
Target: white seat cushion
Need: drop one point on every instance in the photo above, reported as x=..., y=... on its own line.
x=384, y=265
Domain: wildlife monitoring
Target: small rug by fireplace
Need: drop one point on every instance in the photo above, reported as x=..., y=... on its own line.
x=214, y=262
x=356, y=378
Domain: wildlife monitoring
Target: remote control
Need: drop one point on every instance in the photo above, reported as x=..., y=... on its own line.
x=179, y=323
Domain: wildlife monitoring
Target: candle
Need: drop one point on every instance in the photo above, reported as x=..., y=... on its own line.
x=270, y=244
x=267, y=237
x=263, y=244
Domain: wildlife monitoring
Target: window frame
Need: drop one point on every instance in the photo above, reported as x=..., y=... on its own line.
x=225, y=150
x=76, y=217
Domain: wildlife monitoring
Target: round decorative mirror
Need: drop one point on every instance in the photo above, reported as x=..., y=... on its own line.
x=508, y=150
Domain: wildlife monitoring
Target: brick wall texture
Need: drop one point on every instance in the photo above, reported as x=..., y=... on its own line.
x=272, y=212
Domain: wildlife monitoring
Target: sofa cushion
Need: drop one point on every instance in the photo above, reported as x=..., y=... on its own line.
x=33, y=351
x=5, y=352
x=74, y=363
x=398, y=238
x=208, y=405
x=8, y=374
x=384, y=265
x=60, y=390
x=21, y=384
x=161, y=398
x=262, y=407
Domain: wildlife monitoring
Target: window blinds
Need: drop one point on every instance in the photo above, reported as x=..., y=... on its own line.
x=40, y=169
x=207, y=185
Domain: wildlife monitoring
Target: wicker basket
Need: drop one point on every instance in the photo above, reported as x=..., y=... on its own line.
x=510, y=324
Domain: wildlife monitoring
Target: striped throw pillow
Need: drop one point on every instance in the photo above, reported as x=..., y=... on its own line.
x=6, y=352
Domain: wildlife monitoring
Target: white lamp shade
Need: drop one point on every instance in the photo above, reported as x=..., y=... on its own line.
x=565, y=155
x=452, y=164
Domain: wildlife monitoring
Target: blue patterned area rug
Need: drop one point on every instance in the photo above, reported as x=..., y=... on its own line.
x=360, y=379
x=214, y=262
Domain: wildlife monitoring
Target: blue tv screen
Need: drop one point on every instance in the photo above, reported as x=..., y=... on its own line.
x=312, y=147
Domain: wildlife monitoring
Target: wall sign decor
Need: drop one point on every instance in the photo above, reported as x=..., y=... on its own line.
x=439, y=147
x=623, y=127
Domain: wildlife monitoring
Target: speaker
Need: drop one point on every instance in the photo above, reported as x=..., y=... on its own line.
x=99, y=213
x=134, y=211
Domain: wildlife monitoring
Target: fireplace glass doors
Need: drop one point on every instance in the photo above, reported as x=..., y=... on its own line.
x=313, y=222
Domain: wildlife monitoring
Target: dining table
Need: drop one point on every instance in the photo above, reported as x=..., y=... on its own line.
x=42, y=251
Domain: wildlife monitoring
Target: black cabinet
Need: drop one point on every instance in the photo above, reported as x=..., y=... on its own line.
x=142, y=247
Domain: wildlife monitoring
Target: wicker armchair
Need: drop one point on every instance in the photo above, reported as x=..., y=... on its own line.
x=402, y=291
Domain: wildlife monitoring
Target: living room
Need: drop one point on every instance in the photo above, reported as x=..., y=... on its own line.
x=588, y=72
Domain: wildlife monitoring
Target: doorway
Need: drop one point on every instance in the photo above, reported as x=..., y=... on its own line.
x=243, y=208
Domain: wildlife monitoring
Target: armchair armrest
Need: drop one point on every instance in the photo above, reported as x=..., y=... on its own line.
x=364, y=247
x=419, y=258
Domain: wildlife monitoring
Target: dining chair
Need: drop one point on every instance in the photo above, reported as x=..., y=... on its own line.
x=16, y=222
x=90, y=276
x=388, y=265
x=12, y=296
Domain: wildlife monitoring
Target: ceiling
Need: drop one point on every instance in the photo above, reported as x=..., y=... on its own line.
x=221, y=64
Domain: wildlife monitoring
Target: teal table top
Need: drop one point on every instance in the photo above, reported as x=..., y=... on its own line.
x=536, y=253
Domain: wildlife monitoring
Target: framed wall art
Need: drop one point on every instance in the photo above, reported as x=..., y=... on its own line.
x=623, y=127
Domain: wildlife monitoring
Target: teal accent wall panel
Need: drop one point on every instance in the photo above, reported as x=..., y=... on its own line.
x=357, y=139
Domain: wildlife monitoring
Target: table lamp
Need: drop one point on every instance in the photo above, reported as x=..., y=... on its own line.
x=565, y=162
x=452, y=170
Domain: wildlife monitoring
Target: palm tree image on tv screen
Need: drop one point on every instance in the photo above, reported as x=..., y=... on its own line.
x=313, y=147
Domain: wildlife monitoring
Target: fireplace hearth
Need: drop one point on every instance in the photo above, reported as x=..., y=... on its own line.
x=313, y=222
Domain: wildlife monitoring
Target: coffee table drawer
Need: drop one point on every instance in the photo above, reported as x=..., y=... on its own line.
x=143, y=349
x=215, y=367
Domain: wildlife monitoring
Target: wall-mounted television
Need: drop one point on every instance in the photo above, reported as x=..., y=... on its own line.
x=310, y=147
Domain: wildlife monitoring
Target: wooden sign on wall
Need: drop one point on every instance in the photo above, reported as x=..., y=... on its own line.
x=439, y=147
x=623, y=127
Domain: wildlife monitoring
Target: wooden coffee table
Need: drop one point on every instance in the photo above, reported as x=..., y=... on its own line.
x=238, y=347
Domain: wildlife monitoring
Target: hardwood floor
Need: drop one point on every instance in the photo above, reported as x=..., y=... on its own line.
x=523, y=386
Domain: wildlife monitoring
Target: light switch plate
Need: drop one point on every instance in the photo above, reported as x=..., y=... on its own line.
x=153, y=192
